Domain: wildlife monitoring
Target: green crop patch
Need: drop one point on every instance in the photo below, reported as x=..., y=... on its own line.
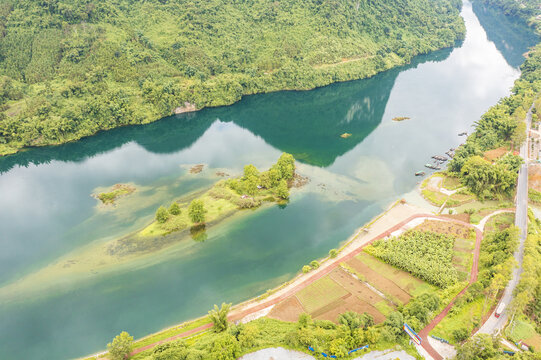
x=427, y=255
x=320, y=293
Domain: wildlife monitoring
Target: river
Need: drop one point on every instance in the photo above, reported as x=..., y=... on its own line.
x=47, y=214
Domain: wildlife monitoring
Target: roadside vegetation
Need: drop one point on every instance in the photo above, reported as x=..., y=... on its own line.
x=228, y=341
x=501, y=127
x=496, y=263
x=525, y=309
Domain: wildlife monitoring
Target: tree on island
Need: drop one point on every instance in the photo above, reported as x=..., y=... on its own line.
x=282, y=190
x=121, y=346
x=218, y=316
x=197, y=211
x=174, y=209
x=162, y=215
x=286, y=166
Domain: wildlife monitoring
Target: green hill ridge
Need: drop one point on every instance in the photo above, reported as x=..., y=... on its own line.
x=70, y=68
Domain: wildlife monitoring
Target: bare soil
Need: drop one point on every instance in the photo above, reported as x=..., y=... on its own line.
x=349, y=303
x=380, y=282
x=443, y=227
x=495, y=154
x=534, y=177
x=462, y=217
x=287, y=310
x=354, y=286
x=196, y=169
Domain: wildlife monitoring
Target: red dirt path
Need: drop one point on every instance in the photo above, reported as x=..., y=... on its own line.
x=473, y=277
x=324, y=271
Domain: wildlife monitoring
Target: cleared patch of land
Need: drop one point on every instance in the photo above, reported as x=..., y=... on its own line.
x=320, y=293
x=379, y=280
x=495, y=154
x=287, y=310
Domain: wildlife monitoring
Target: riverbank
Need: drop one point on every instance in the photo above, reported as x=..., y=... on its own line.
x=396, y=216
x=116, y=78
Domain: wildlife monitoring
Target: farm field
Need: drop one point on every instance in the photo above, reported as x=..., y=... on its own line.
x=463, y=246
x=525, y=331
x=366, y=284
x=332, y=295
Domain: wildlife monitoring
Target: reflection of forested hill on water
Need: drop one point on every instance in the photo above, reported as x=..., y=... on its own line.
x=307, y=124
x=511, y=36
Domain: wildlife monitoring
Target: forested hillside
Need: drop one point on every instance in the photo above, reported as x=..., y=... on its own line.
x=69, y=68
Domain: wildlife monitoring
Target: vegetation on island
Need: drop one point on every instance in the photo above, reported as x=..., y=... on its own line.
x=248, y=191
x=116, y=192
x=70, y=68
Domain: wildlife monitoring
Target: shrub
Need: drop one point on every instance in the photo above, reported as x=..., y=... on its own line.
x=306, y=269
x=174, y=209
x=333, y=253
x=197, y=211
x=325, y=324
x=247, y=203
x=314, y=264
x=304, y=320
x=162, y=215
x=461, y=334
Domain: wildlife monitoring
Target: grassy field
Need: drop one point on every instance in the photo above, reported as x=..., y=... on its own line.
x=431, y=189
x=451, y=182
x=320, y=293
x=525, y=331
x=468, y=316
x=499, y=222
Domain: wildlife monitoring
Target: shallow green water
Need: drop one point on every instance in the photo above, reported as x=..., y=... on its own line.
x=46, y=210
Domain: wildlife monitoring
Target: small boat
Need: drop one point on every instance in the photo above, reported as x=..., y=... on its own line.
x=452, y=149
x=439, y=158
x=432, y=166
x=463, y=134
x=420, y=173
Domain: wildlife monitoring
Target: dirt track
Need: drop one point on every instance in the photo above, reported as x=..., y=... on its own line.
x=309, y=278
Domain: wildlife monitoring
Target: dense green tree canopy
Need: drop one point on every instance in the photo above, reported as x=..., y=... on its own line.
x=69, y=68
x=121, y=346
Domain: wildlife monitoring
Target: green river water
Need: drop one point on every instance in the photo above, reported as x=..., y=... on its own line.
x=48, y=216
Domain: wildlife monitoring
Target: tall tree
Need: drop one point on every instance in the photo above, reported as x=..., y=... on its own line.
x=197, y=211
x=218, y=316
x=121, y=346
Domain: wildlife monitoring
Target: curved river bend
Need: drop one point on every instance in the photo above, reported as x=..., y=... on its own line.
x=48, y=215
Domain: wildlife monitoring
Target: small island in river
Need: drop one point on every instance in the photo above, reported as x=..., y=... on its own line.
x=226, y=197
x=400, y=118
x=117, y=191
